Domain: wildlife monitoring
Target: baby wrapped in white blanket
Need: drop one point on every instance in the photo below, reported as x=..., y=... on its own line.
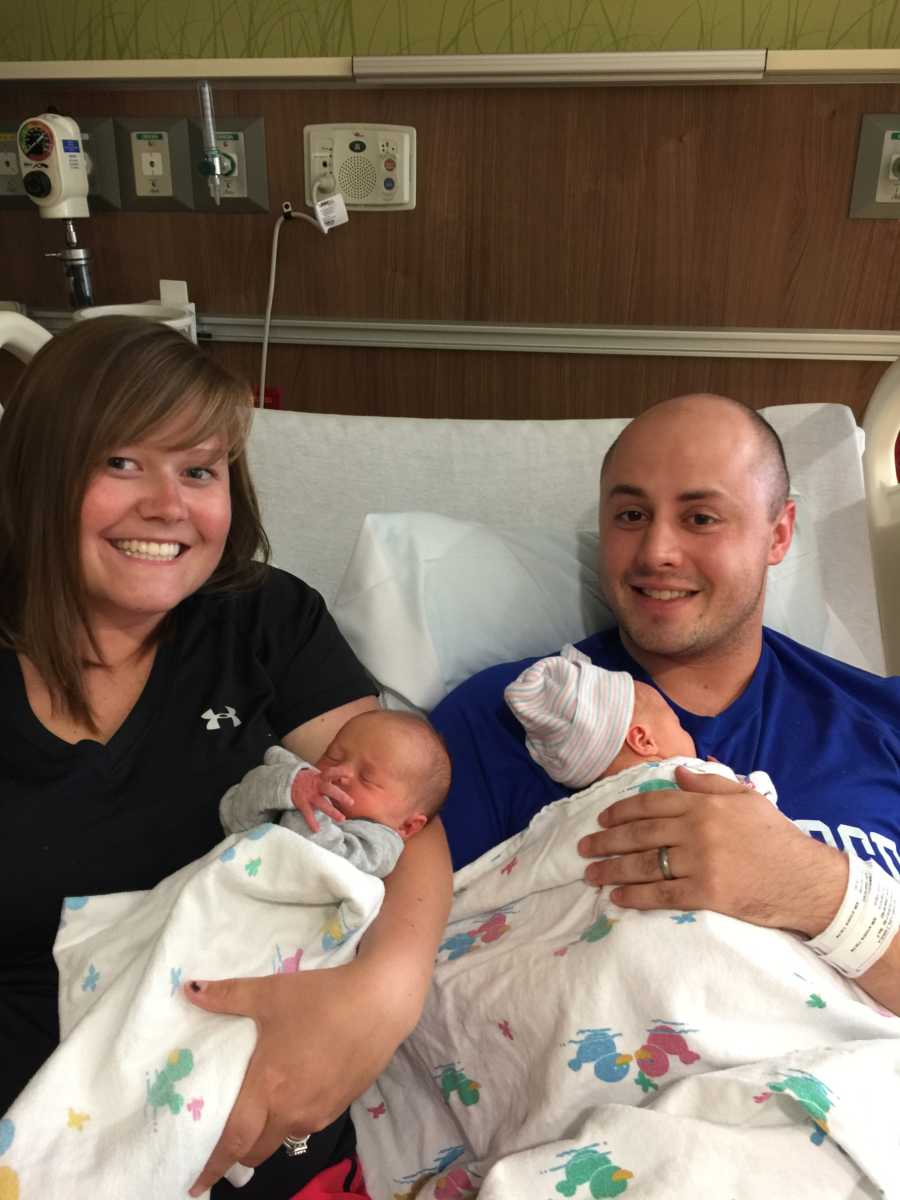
x=573, y=1048
x=135, y=1097
x=661, y=1054
x=132, y=1102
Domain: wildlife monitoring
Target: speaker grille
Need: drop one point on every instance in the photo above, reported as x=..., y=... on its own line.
x=357, y=177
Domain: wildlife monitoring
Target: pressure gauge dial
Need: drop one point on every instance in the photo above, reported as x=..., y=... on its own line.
x=36, y=141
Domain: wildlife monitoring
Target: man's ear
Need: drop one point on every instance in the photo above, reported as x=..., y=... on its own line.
x=641, y=741
x=782, y=533
x=412, y=825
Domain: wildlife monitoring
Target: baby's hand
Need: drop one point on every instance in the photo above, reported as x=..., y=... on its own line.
x=312, y=791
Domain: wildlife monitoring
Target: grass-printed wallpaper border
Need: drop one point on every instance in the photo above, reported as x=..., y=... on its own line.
x=121, y=29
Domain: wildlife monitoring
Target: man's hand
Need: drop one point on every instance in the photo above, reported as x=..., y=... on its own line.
x=313, y=790
x=729, y=849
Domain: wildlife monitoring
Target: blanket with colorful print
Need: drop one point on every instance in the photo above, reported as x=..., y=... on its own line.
x=570, y=1048
x=132, y=1102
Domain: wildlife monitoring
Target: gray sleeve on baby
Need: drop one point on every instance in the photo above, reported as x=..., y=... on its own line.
x=264, y=793
x=372, y=847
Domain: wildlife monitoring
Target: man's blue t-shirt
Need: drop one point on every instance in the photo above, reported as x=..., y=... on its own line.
x=828, y=735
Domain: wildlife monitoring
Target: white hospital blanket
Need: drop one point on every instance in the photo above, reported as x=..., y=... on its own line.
x=131, y=1104
x=572, y=1048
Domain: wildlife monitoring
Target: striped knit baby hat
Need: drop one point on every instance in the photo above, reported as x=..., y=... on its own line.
x=575, y=715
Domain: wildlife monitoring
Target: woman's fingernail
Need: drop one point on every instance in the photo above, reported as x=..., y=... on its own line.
x=197, y=985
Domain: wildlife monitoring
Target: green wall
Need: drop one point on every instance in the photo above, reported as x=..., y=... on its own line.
x=52, y=29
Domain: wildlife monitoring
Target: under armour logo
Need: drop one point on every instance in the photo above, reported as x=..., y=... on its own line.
x=212, y=719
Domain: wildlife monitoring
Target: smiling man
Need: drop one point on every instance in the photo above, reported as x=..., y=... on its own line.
x=694, y=509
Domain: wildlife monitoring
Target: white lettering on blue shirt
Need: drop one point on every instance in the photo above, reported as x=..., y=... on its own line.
x=874, y=845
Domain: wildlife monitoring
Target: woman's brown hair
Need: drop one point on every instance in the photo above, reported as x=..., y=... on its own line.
x=104, y=383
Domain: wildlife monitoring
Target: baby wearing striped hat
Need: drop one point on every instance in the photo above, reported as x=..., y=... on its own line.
x=584, y=723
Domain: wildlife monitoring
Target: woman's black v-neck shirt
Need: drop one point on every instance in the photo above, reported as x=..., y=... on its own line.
x=237, y=672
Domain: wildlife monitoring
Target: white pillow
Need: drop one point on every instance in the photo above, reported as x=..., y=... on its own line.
x=428, y=600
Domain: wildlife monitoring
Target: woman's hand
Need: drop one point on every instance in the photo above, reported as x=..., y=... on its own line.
x=303, y=1073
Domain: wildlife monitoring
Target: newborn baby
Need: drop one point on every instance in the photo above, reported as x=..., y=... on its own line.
x=584, y=723
x=382, y=778
x=571, y=1044
x=152, y=1079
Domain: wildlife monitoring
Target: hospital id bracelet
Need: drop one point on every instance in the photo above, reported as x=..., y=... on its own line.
x=866, y=922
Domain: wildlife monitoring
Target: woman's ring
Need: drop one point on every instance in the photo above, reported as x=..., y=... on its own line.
x=662, y=856
x=295, y=1146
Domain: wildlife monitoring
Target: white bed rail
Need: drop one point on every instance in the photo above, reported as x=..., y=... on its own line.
x=881, y=423
x=21, y=336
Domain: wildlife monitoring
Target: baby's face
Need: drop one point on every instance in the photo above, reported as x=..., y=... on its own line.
x=651, y=709
x=372, y=765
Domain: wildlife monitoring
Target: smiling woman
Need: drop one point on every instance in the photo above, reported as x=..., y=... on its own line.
x=167, y=513
x=149, y=657
x=134, y=446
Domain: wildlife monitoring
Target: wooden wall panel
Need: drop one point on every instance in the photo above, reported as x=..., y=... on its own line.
x=472, y=384
x=469, y=384
x=702, y=206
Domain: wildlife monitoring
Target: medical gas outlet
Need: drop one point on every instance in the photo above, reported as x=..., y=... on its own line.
x=372, y=166
x=876, y=184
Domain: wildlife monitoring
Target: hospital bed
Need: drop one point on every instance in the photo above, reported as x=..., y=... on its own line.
x=443, y=546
